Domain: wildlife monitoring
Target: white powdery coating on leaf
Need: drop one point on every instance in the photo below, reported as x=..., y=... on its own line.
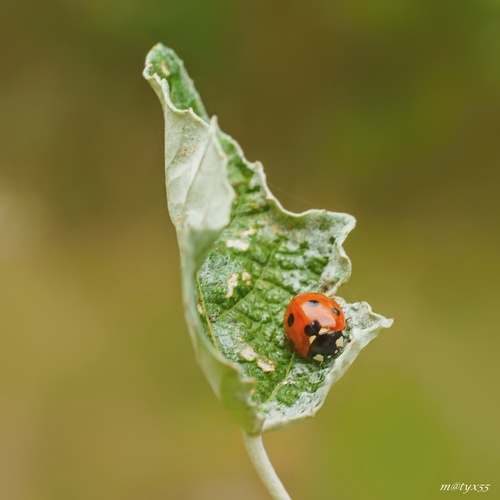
x=266, y=366
x=248, y=232
x=248, y=353
x=247, y=278
x=238, y=244
x=232, y=283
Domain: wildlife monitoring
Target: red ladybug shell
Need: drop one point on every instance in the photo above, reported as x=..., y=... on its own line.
x=313, y=324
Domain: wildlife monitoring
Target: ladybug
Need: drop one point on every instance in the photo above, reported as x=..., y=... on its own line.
x=314, y=326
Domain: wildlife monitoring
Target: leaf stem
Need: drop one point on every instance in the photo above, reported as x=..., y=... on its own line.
x=263, y=466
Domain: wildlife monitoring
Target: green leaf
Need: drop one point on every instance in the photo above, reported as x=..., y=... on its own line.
x=243, y=258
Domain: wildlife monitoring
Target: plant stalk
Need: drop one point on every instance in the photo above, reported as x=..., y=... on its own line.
x=263, y=466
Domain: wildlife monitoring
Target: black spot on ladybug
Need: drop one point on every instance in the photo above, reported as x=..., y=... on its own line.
x=336, y=311
x=290, y=319
x=308, y=330
x=313, y=303
x=312, y=329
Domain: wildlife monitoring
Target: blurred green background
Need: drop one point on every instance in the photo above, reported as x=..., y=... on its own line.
x=388, y=110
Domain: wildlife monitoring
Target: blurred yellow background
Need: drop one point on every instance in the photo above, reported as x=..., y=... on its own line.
x=386, y=110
